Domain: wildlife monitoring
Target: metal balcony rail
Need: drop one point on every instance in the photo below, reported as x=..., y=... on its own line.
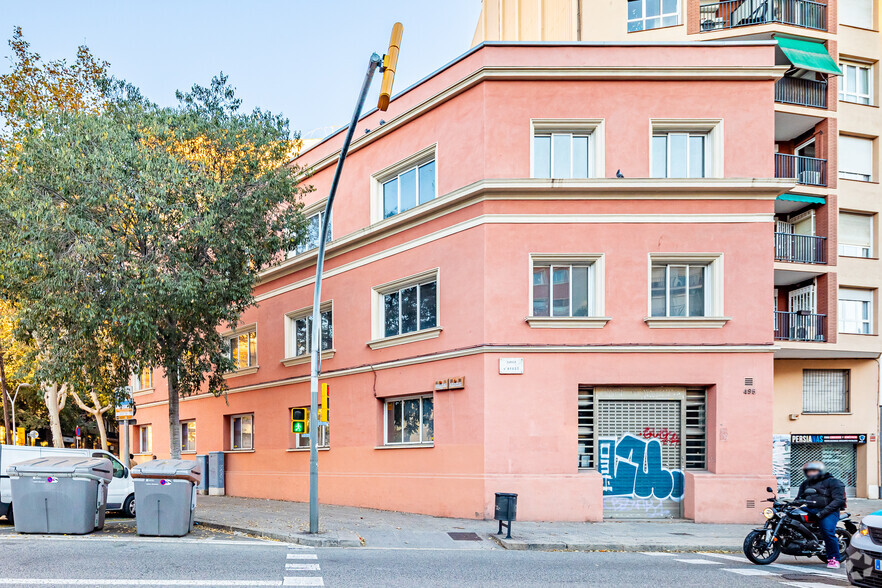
x=800, y=248
x=731, y=14
x=800, y=326
x=801, y=92
x=810, y=171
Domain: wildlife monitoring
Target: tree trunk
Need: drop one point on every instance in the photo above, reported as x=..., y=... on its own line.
x=102, y=430
x=4, y=390
x=174, y=420
x=55, y=398
x=97, y=411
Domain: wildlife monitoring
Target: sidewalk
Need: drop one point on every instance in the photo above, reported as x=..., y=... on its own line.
x=345, y=526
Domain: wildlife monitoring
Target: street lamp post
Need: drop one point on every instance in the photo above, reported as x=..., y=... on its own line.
x=387, y=65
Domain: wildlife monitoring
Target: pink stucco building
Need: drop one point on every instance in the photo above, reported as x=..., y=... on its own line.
x=505, y=314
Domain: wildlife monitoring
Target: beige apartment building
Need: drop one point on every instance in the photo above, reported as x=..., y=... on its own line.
x=827, y=271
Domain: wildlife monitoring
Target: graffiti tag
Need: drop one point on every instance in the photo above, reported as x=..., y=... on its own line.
x=664, y=435
x=632, y=467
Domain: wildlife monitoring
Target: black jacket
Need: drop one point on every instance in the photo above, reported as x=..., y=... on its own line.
x=830, y=495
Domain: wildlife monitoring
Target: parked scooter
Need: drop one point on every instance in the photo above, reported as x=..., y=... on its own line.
x=791, y=530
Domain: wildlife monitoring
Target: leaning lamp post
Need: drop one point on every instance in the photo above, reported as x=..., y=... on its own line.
x=387, y=65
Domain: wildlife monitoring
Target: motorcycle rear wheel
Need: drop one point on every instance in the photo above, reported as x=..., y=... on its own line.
x=844, y=539
x=757, y=551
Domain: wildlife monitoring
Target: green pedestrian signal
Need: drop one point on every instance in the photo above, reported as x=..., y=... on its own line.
x=299, y=418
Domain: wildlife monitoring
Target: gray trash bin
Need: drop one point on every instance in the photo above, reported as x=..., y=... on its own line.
x=60, y=494
x=165, y=496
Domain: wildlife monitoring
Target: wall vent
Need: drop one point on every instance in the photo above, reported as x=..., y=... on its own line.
x=751, y=504
x=748, y=381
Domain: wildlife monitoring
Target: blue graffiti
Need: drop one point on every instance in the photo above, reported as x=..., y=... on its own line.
x=632, y=467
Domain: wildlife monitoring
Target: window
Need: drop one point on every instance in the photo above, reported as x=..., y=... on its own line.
x=825, y=391
x=188, y=436
x=410, y=421
x=855, y=158
x=562, y=290
x=855, y=311
x=563, y=155
x=242, y=432
x=144, y=380
x=409, y=188
x=302, y=441
x=680, y=289
x=856, y=13
x=855, y=234
x=243, y=349
x=409, y=309
x=313, y=228
x=680, y=155
x=652, y=14
x=855, y=83
x=145, y=439
x=302, y=336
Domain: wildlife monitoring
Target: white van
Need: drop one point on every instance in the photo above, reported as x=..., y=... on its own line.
x=120, y=491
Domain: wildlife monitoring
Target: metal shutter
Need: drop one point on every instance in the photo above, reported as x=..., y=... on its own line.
x=840, y=459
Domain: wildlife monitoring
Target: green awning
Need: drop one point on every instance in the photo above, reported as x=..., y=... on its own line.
x=802, y=198
x=809, y=55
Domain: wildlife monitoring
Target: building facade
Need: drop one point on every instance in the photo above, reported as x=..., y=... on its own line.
x=549, y=274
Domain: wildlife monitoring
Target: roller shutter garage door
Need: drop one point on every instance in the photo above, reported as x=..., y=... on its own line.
x=840, y=459
x=639, y=455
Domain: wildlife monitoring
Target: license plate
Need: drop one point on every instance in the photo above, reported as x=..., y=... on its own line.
x=878, y=565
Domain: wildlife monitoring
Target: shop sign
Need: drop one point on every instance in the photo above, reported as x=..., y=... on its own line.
x=836, y=438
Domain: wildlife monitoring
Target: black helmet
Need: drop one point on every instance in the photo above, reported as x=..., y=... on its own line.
x=816, y=466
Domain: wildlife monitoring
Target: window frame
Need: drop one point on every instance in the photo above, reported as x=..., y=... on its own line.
x=714, y=316
x=139, y=380
x=316, y=210
x=841, y=242
x=596, y=289
x=233, y=418
x=185, y=425
x=661, y=16
x=387, y=174
x=145, y=428
x=402, y=399
x=711, y=129
x=253, y=365
x=291, y=358
x=324, y=434
x=866, y=297
x=593, y=128
x=380, y=339
x=843, y=83
x=847, y=392
x=853, y=175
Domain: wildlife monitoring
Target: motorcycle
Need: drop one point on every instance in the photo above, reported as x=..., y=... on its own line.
x=792, y=530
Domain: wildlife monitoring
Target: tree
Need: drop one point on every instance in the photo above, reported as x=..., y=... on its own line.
x=145, y=228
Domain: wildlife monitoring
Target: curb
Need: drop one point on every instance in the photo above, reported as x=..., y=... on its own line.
x=526, y=545
x=299, y=538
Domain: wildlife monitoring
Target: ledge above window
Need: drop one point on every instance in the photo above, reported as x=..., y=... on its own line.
x=242, y=372
x=686, y=322
x=567, y=322
x=301, y=359
x=405, y=338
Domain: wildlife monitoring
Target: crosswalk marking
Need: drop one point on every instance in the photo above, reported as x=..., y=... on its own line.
x=303, y=581
x=749, y=572
x=302, y=556
x=302, y=567
x=659, y=553
x=700, y=562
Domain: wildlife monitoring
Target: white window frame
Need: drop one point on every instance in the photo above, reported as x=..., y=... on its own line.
x=252, y=360
x=185, y=430
x=856, y=96
x=302, y=440
x=233, y=417
x=661, y=16
x=596, y=276
x=853, y=175
x=593, y=128
x=148, y=430
x=863, y=296
x=422, y=443
x=138, y=380
x=712, y=129
x=843, y=241
x=291, y=319
x=380, y=340
x=844, y=16
x=714, y=289
x=316, y=210
x=391, y=172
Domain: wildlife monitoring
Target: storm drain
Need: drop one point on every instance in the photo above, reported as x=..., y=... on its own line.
x=464, y=536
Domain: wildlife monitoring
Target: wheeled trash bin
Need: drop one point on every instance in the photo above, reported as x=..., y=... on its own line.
x=60, y=494
x=165, y=496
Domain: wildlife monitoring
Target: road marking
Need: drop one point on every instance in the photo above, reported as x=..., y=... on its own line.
x=139, y=539
x=724, y=556
x=133, y=582
x=302, y=556
x=659, y=553
x=788, y=567
x=700, y=561
x=302, y=567
x=303, y=581
x=749, y=572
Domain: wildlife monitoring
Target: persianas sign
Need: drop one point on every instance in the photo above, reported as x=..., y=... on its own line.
x=837, y=438
x=632, y=467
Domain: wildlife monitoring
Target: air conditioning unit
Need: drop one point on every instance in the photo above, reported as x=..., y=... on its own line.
x=813, y=178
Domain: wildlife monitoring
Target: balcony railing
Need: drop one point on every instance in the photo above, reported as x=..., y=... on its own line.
x=730, y=14
x=810, y=171
x=800, y=248
x=801, y=92
x=800, y=326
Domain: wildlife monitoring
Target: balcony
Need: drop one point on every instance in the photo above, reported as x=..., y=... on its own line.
x=800, y=326
x=802, y=92
x=731, y=14
x=809, y=171
x=800, y=248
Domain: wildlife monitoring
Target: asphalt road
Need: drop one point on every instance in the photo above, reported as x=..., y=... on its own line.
x=118, y=557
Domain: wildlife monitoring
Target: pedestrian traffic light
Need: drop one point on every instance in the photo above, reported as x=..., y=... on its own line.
x=390, y=61
x=323, y=409
x=299, y=418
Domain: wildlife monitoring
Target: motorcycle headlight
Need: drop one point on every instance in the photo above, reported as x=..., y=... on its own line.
x=864, y=530
x=768, y=513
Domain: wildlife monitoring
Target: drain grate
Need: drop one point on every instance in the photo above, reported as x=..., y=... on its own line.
x=464, y=536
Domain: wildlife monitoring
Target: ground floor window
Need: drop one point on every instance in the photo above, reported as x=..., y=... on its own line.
x=410, y=421
x=145, y=439
x=302, y=440
x=188, y=436
x=242, y=432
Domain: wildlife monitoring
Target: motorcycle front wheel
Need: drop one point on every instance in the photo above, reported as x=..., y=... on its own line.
x=844, y=538
x=757, y=551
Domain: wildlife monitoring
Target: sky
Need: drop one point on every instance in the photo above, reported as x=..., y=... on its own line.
x=303, y=58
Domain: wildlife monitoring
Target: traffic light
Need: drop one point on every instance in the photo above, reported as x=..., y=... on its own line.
x=323, y=409
x=299, y=420
x=390, y=61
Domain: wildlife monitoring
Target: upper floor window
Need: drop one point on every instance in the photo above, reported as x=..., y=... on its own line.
x=562, y=155
x=855, y=311
x=562, y=290
x=302, y=326
x=856, y=83
x=409, y=188
x=242, y=349
x=856, y=13
x=313, y=228
x=679, y=289
x=855, y=234
x=855, y=158
x=680, y=155
x=144, y=379
x=652, y=14
x=825, y=391
x=412, y=308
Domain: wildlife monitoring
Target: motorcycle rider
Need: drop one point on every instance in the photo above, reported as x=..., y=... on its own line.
x=825, y=505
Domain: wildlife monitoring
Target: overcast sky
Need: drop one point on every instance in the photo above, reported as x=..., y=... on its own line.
x=304, y=58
